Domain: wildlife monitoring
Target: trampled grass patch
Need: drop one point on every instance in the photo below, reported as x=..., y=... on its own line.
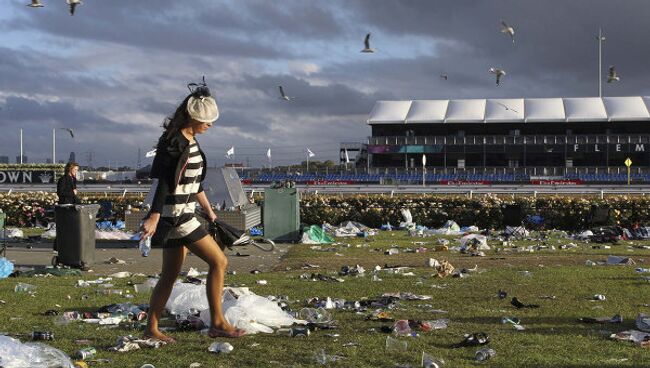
x=553, y=335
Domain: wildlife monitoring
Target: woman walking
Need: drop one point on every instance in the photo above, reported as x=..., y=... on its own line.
x=171, y=223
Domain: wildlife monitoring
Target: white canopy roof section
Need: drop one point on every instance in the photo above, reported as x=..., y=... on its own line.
x=627, y=108
x=504, y=110
x=544, y=110
x=514, y=110
x=466, y=111
x=427, y=111
x=390, y=112
x=585, y=109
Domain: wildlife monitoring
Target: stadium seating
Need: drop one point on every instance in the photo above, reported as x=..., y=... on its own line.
x=415, y=178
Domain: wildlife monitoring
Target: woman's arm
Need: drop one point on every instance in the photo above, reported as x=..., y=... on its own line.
x=205, y=204
x=152, y=218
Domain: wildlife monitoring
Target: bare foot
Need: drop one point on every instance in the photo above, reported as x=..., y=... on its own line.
x=229, y=332
x=159, y=336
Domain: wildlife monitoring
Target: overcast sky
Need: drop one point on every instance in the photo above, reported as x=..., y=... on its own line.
x=115, y=69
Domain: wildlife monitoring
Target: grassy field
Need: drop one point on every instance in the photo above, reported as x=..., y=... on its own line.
x=553, y=336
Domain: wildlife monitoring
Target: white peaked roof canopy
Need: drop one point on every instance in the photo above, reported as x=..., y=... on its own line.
x=627, y=108
x=465, y=111
x=585, y=109
x=544, y=109
x=504, y=110
x=427, y=111
x=390, y=112
x=513, y=110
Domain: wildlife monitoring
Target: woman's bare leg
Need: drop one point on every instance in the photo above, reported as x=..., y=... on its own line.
x=208, y=250
x=173, y=259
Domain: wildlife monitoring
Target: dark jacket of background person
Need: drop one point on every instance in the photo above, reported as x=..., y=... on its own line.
x=65, y=190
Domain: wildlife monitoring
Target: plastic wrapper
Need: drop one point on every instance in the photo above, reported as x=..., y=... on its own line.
x=242, y=308
x=14, y=354
x=6, y=268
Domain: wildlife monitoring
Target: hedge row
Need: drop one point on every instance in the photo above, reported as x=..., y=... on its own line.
x=567, y=213
x=561, y=212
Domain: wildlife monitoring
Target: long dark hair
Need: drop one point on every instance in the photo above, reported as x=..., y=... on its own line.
x=69, y=166
x=181, y=118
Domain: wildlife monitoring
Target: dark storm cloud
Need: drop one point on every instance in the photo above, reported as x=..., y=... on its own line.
x=55, y=114
x=244, y=48
x=295, y=19
x=208, y=28
x=555, y=51
x=32, y=72
x=333, y=99
x=139, y=26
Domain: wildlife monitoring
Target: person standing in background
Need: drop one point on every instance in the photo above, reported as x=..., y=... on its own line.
x=66, y=187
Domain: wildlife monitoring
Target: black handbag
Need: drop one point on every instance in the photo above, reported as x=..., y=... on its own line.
x=226, y=235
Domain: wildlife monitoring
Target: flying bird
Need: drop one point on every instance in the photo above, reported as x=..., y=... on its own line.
x=35, y=4
x=73, y=5
x=612, y=76
x=283, y=96
x=444, y=76
x=366, y=44
x=507, y=108
x=499, y=73
x=69, y=131
x=508, y=30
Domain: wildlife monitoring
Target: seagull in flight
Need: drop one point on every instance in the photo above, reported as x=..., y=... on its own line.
x=35, y=4
x=444, y=76
x=612, y=76
x=366, y=44
x=69, y=131
x=499, y=73
x=283, y=96
x=73, y=4
x=507, y=108
x=508, y=30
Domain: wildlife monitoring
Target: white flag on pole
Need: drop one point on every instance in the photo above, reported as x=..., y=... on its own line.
x=151, y=153
x=347, y=158
x=268, y=153
x=310, y=153
x=230, y=152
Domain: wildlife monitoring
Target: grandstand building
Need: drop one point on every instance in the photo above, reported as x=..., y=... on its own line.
x=512, y=139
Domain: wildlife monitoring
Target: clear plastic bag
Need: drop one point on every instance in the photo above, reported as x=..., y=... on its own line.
x=14, y=354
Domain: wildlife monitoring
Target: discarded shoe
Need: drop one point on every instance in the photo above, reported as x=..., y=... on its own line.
x=517, y=304
x=602, y=320
x=475, y=339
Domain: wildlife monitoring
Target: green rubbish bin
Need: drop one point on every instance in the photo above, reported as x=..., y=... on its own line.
x=75, y=235
x=282, y=214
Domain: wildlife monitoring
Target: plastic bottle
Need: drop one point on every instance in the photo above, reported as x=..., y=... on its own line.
x=145, y=246
x=24, y=288
x=85, y=353
x=42, y=335
x=295, y=331
x=485, y=354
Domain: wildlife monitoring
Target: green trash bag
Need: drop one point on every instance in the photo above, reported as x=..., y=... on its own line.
x=316, y=235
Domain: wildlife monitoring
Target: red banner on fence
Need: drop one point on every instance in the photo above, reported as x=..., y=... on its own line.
x=556, y=182
x=329, y=182
x=465, y=182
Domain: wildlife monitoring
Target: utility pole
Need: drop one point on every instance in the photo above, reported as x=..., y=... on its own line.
x=21, y=146
x=600, y=39
x=54, y=145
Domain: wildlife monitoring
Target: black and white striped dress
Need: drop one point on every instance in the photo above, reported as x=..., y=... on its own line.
x=178, y=211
